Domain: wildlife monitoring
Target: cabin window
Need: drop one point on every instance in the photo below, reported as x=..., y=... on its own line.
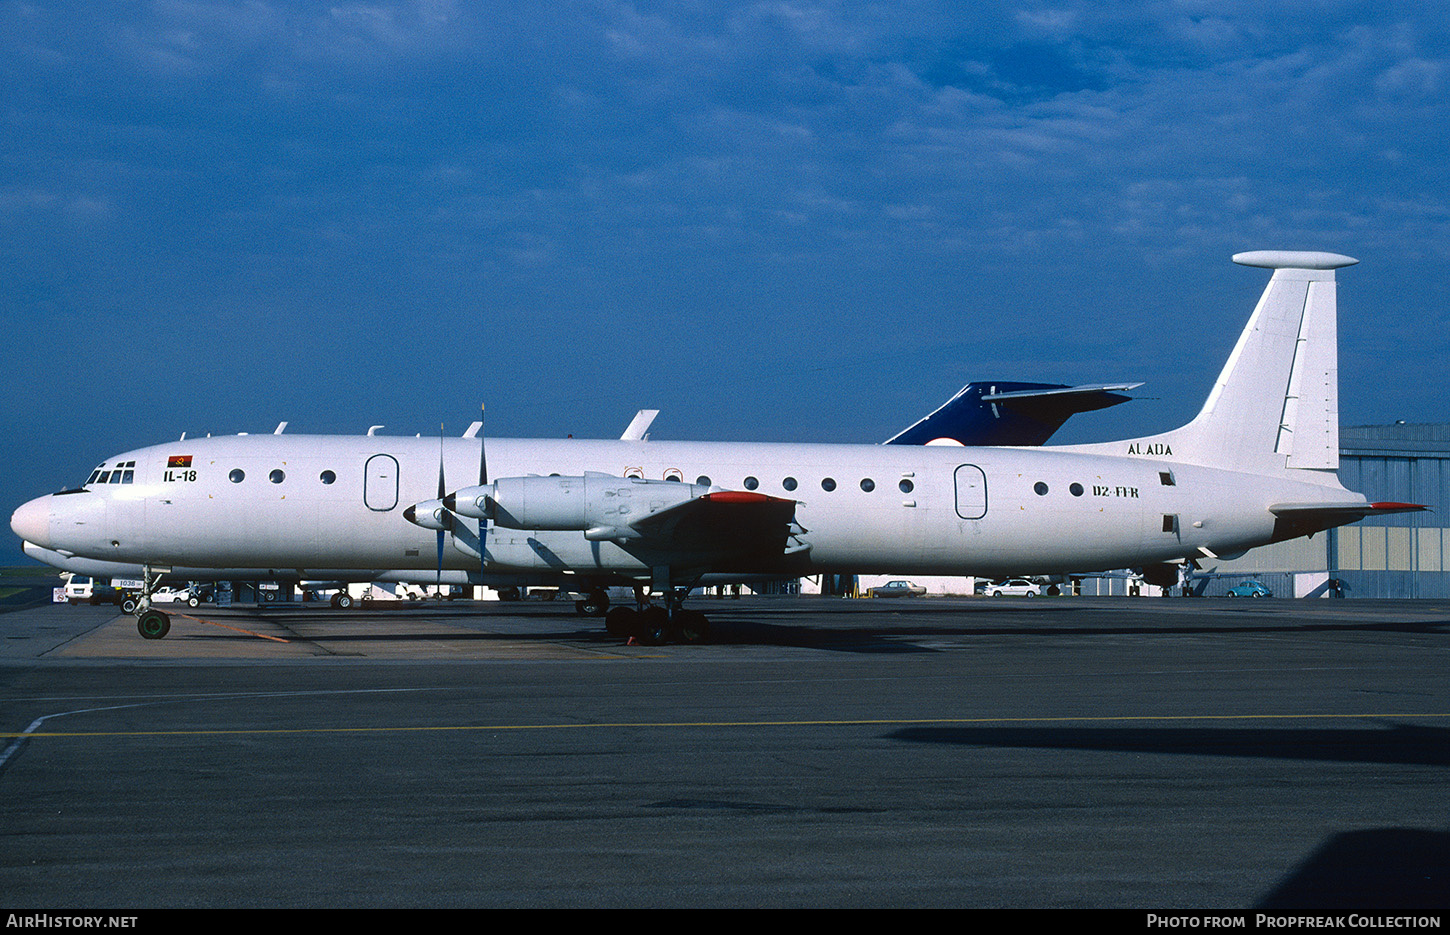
x=237, y=475
x=789, y=483
x=703, y=480
x=868, y=485
x=277, y=476
x=751, y=483
x=1040, y=488
x=828, y=484
x=906, y=486
x=327, y=477
x=1075, y=489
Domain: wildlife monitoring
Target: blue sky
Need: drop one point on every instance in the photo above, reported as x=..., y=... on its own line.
x=774, y=220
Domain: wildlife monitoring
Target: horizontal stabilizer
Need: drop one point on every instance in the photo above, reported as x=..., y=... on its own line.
x=1359, y=509
x=1292, y=520
x=992, y=413
x=1087, y=390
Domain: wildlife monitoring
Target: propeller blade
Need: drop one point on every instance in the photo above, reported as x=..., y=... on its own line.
x=482, y=481
x=447, y=516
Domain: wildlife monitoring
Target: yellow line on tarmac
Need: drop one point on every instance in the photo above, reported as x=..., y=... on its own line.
x=847, y=722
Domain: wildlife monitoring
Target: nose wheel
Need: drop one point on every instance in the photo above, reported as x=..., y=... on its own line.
x=153, y=624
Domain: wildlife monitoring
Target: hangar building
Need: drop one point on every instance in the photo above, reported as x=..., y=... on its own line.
x=1401, y=555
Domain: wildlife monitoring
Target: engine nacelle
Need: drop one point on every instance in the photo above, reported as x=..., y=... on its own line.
x=1164, y=574
x=592, y=502
x=430, y=514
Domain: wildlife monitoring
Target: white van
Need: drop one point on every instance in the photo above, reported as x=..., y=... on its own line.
x=78, y=588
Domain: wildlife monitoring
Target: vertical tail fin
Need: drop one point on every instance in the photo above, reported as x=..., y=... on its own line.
x=1275, y=406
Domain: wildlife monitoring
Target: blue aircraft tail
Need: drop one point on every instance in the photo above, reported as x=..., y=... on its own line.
x=995, y=413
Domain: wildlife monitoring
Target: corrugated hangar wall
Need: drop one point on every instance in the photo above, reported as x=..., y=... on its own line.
x=1407, y=554
x=1403, y=555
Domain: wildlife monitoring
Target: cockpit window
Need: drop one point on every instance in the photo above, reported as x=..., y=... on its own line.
x=123, y=473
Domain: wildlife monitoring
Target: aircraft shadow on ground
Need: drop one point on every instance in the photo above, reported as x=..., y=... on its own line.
x=1404, y=744
x=765, y=626
x=1375, y=870
x=897, y=637
x=563, y=625
x=1042, y=622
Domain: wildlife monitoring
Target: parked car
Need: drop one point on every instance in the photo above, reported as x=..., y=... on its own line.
x=1014, y=587
x=1249, y=589
x=191, y=596
x=78, y=588
x=897, y=589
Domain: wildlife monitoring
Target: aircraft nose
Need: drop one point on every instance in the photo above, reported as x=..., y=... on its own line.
x=31, y=521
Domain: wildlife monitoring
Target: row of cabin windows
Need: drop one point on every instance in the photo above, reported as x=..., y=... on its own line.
x=277, y=476
x=124, y=472
x=1165, y=478
x=828, y=484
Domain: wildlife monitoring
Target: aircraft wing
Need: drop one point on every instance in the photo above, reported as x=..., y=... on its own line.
x=993, y=413
x=721, y=528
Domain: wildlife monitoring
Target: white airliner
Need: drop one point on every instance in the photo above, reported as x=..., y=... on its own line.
x=1257, y=465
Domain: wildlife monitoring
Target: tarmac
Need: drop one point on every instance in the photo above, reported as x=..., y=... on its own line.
x=1161, y=755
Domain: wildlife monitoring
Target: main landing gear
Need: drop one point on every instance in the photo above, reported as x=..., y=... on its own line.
x=655, y=624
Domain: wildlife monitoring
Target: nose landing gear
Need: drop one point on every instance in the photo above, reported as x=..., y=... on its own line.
x=151, y=623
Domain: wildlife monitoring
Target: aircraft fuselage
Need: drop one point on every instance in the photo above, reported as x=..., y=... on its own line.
x=314, y=504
